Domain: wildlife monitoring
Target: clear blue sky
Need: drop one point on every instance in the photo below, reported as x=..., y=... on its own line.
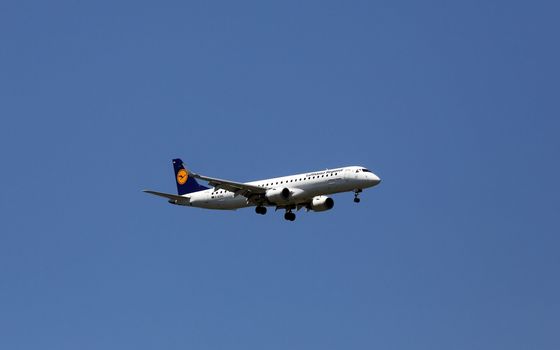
x=454, y=104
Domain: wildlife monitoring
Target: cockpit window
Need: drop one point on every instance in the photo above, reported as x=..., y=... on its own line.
x=366, y=170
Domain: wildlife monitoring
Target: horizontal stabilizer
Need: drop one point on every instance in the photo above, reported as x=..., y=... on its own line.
x=179, y=199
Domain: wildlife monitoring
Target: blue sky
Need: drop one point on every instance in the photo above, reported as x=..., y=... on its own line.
x=453, y=104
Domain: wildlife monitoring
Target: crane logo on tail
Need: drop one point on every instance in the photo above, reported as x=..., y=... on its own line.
x=182, y=176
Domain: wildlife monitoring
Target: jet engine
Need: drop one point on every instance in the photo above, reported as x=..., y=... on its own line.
x=321, y=203
x=282, y=195
x=276, y=195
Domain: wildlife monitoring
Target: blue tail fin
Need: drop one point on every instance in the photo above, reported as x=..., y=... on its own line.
x=185, y=183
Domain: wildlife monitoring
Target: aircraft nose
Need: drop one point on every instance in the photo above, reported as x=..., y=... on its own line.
x=375, y=180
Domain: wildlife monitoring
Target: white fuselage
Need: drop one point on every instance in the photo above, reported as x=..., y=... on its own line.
x=305, y=186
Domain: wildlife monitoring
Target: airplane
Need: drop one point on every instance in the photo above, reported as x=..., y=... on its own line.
x=293, y=192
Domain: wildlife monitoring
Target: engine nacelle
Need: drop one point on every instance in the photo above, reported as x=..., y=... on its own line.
x=276, y=195
x=283, y=195
x=321, y=203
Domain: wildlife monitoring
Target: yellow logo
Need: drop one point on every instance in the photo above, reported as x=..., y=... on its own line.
x=182, y=176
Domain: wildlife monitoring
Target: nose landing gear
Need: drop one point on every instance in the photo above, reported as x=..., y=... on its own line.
x=260, y=210
x=356, y=193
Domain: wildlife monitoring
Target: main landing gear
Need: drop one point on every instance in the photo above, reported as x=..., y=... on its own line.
x=356, y=193
x=289, y=216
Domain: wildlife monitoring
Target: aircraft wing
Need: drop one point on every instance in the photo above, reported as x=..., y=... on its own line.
x=238, y=188
x=179, y=199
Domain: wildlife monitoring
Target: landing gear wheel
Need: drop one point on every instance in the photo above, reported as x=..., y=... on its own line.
x=260, y=210
x=356, y=193
x=290, y=216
